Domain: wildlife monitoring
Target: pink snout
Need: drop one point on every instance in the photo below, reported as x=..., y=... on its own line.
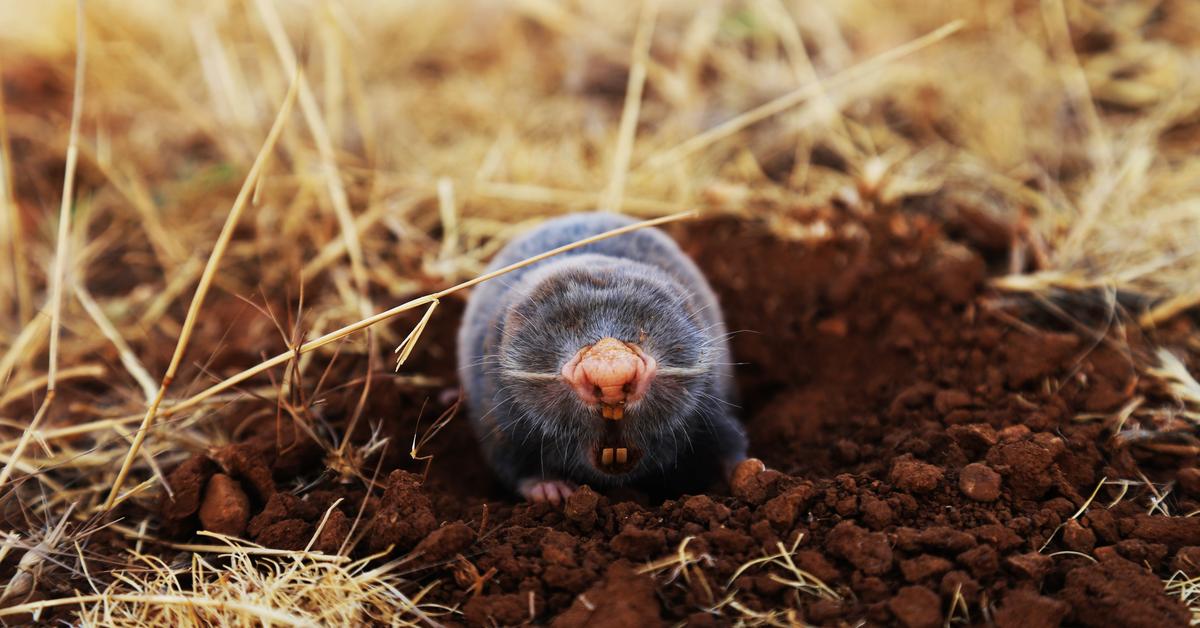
x=610, y=372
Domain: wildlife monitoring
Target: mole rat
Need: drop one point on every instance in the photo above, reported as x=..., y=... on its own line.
x=607, y=365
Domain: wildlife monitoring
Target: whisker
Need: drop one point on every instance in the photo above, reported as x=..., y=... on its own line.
x=529, y=376
x=680, y=371
x=719, y=400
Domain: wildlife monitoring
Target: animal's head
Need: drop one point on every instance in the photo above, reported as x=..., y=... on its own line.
x=605, y=365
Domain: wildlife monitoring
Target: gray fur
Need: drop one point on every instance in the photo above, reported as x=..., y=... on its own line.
x=521, y=328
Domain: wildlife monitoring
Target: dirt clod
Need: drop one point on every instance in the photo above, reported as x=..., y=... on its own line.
x=405, y=514
x=638, y=544
x=1189, y=481
x=748, y=482
x=334, y=534
x=924, y=567
x=288, y=534
x=1032, y=357
x=702, y=509
x=917, y=607
x=1026, y=466
x=1078, y=538
x=1026, y=609
x=915, y=476
x=622, y=598
x=1031, y=565
x=868, y=551
x=281, y=506
x=226, y=509
x=506, y=609
x=250, y=463
x=1174, y=532
x=187, y=482
x=979, y=482
x=1120, y=593
x=581, y=507
x=445, y=542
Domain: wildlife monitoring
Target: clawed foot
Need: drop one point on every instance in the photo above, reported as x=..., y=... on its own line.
x=553, y=491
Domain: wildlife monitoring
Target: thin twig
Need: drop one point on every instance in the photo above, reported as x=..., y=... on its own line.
x=128, y=358
x=74, y=372
x=633, y=103
x=254, y=610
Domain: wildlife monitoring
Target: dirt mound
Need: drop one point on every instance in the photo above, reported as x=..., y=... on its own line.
x=930, y=456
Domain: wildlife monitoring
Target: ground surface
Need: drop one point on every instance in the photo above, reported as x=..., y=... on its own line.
x=931, y=445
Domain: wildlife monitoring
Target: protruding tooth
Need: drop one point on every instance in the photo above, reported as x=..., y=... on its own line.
x=622, y=455
x=606, y=456
x=618, y=413
x=606, y=411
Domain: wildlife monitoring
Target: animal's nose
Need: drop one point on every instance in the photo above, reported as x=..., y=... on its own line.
x=611, y=367
x=611, y=373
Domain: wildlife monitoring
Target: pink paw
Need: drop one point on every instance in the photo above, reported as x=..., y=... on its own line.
x=553, y=491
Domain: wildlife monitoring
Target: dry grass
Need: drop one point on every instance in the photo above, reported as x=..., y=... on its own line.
x=429, y=133
x=1188, y=591
x=687, y=569
x=239, y=588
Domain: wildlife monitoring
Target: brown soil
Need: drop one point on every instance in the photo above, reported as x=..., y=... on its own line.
x=922, y=445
